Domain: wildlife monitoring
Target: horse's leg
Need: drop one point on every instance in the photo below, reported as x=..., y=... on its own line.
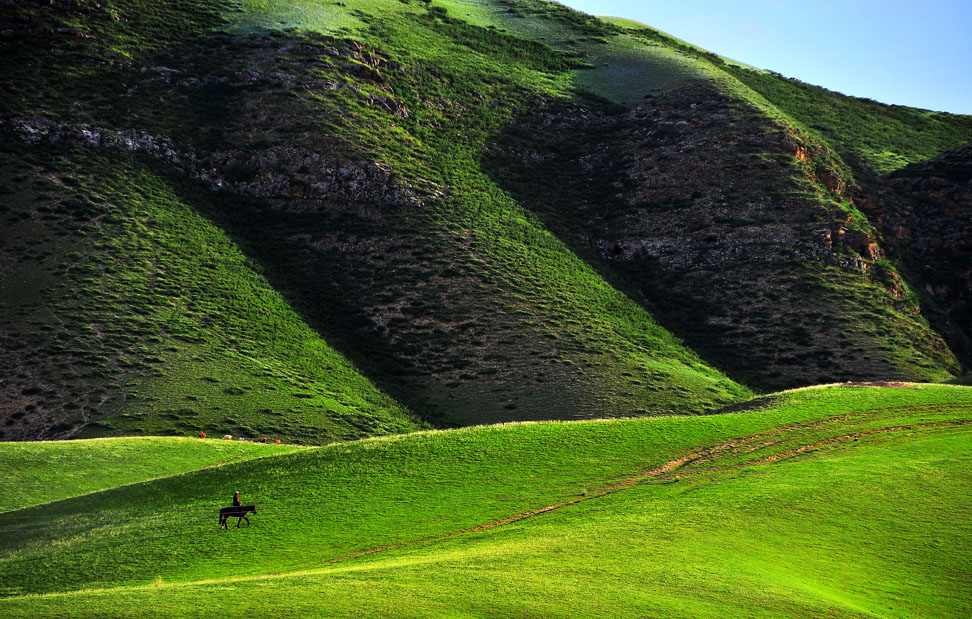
x=247, y=520
x=238, y=521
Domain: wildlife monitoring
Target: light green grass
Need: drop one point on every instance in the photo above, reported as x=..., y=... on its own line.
x=43, y=472
x=833, y=529
x=621, y=68
x=319, y=15
x=882, y=536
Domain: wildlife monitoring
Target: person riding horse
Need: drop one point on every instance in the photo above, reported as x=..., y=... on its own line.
x=237, y=510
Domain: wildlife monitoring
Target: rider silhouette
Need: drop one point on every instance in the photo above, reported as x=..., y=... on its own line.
x=236, y=499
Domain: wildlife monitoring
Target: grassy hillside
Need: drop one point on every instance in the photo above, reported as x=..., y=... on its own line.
x=816, y=501
x=884, y=137
x=861, y=131
x=134, y=313
x=287, y=219
x=42, y=472
x=357, y=194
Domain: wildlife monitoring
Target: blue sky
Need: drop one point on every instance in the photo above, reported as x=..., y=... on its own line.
x=916, y=53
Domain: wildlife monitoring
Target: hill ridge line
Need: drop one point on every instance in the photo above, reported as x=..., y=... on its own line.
x=657, y=474
x=221, y=463
x=700, y=455
x=643, y=476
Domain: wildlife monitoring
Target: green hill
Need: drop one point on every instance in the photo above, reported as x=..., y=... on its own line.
x=442, y=290
x=321, y=221
x=43, y=472
x=133, y=313
x=814, y=501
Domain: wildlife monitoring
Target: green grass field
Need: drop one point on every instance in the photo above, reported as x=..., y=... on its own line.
x=835, y=501
x=48, y=471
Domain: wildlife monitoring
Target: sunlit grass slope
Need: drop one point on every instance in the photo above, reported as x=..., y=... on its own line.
x=842, y=501
x=42, y=472
x=619, y=66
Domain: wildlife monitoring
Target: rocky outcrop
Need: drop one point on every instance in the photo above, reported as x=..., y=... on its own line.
x=274, y=173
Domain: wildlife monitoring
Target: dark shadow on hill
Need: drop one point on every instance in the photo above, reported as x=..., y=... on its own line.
x=327, y=287
x=574, y=182
x=697, y=206
x=926, y=216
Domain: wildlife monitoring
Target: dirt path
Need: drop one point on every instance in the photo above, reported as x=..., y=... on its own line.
x=749, y=445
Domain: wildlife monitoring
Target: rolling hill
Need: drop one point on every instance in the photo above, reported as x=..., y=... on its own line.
x=837, y=501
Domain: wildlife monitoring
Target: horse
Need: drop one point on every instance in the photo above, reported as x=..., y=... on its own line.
x=235, y=511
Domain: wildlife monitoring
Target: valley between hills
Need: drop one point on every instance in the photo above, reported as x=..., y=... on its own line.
x=535, y=314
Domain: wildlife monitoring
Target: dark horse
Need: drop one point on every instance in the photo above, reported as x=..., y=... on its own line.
x=235, y=511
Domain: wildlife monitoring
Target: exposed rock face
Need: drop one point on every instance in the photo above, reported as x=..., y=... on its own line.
x=269, y=159
x=275, y=173
x=733, y=229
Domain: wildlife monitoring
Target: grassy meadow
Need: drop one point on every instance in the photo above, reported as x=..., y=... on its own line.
x=837, y=500
x=43, y=472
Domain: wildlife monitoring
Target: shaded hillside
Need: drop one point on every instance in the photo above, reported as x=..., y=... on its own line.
x=326, y=220
x=126, y=310
x=347, y=173
x=926, y=211
x=731, y=227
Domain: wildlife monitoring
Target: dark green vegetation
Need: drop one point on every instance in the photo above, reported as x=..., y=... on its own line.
x=326, y=220
x=141, y=316
x=836, y=501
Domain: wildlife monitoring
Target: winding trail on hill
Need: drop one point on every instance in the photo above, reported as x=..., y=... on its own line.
x=697, y=465
x=744, y=446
